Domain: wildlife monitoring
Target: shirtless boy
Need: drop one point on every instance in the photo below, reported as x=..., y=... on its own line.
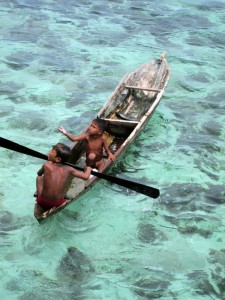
x=96, y=141
x=52, y=177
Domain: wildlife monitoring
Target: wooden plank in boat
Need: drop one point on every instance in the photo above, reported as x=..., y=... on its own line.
x=142, y=88
x=125, y=123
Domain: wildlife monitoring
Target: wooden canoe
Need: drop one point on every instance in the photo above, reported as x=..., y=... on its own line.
x=127, y=112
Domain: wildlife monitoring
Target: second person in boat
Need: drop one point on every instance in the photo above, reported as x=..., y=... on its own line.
x=96, y=142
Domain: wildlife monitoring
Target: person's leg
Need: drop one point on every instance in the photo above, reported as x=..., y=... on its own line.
x=90, y=161
x=91, y=156
x=100, y=164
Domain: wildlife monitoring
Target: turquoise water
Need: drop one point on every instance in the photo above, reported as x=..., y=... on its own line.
x=60, y=61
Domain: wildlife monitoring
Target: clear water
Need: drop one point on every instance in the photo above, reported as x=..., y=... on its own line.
x=60, y=61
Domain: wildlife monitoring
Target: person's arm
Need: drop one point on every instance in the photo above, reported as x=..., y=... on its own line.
x=72, y=137
x=108, y=152
x=83, y=175
x=41, y=171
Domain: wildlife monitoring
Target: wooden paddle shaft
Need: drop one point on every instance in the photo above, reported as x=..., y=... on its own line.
x=128, y=183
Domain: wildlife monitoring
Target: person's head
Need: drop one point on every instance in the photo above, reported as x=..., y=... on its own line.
x=60, y=153
x=97, y=126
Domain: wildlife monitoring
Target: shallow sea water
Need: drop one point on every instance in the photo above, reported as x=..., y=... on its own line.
x=60, y=61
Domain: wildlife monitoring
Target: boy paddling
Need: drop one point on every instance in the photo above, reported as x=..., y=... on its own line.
x=96, y=142
x=52, y=178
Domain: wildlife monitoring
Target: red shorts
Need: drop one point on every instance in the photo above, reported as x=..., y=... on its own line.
x=46, y=204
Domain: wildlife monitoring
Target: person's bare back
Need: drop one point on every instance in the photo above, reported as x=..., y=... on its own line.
x=52, y=177
x=55, y=176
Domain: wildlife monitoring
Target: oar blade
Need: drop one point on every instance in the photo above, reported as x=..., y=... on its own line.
x=144, y=189
x=130, y=184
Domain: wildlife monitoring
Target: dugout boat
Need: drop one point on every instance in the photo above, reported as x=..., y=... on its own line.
x=127, y=112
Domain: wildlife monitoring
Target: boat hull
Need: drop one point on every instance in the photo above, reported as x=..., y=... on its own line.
x=127, y=112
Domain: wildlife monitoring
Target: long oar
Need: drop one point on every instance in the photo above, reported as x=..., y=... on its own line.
x=130, y=184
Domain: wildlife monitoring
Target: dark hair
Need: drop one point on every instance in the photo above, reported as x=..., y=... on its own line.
x=62, y=151
x=101, y=124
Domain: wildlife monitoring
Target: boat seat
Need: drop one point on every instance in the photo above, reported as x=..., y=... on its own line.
x=122, y=122
x=124, y=117
x=120, y=128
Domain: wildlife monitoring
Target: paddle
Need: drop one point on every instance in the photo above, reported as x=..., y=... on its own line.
x=130, y=184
